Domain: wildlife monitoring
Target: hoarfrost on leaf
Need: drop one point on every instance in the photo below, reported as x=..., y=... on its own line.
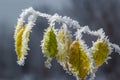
x=49, y=45
x=75, y=56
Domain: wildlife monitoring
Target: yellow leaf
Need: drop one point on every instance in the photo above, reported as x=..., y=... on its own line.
x=18, y=27
x=100, y=52
x=64, y=40
x=18, y=42
x=79, y=60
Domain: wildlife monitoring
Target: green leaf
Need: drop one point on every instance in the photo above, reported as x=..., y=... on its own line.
x=49, y=44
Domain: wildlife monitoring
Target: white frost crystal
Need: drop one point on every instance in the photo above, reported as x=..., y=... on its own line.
x=59, y=44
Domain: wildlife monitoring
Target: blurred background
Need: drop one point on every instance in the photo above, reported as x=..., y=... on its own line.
x=94, y=13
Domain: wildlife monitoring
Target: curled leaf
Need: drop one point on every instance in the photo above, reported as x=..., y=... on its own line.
x=49, y=45
x=100, y=52
x=18, y=27
x=25, y=40
x=79, y=60
x=64, y=40
x=18, y=43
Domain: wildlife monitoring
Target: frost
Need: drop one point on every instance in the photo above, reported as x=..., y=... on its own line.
x=18, y=44
x=116, y=47
x=74, y=55
x=64, y=42
x=49, y=45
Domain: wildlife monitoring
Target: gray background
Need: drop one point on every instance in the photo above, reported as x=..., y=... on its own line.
x=94, y=13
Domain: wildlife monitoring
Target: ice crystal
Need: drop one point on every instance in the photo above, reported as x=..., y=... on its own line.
x=49, y=45
x=75, y=56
